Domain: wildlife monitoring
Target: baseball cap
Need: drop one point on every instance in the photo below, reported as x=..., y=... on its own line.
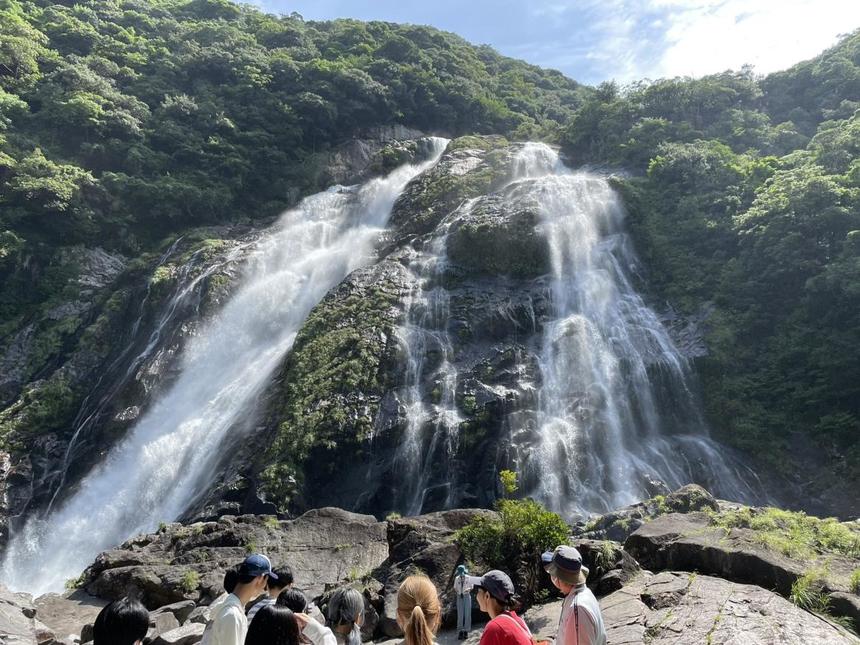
x=497, y=583
x=257, y=565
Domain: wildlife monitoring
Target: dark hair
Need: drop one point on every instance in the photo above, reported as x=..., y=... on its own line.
x=345, y=607
x=285, y=577
x=273, y=625
x=293, y=599
x=122, y=622
x=231, y=577
x=511, y=603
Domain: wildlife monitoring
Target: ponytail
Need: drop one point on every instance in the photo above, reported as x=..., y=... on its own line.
x=419, y=612
x=417, y=631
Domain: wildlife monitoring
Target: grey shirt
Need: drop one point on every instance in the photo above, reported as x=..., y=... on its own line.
x=581, y=622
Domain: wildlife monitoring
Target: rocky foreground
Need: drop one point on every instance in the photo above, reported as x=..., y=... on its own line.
x=681, y=568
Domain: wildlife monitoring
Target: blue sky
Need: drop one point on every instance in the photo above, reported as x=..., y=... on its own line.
x=596, y=40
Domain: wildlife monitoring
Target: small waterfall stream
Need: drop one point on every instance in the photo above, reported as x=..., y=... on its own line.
x=170, y=455
x=432, y=416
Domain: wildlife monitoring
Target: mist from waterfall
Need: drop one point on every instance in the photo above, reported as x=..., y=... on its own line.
x=170, y=456
x=615, y=408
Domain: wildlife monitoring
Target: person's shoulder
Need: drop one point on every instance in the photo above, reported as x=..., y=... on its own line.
x=233, y=613
x=497, y=626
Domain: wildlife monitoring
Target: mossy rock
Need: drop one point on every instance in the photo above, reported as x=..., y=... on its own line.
x=465, y=171
x=341, y=363
x=499, y=236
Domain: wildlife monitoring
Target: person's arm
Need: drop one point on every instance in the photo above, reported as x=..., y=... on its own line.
x=318, y=634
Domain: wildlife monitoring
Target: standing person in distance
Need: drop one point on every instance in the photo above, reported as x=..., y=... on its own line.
x=229, y=625
x=581, y=622
x=496, y=596
x=463, y=591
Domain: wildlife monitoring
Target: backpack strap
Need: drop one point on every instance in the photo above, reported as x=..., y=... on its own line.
x=522, y=625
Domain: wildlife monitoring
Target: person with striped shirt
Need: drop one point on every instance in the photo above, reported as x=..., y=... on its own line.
x=283, y=580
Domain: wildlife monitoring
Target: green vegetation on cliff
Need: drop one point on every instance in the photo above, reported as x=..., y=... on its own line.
x=342, y=352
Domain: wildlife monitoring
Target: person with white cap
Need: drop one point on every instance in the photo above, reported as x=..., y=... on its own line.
x=581, y=622
x=496, y=597
x=229, y=625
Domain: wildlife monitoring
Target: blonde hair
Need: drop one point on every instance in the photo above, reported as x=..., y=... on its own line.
x=418, y=610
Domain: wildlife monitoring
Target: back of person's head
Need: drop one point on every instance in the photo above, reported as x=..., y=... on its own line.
x=231, y=577
x=273, y=625
x=284, y=578
x=255, y=566
x=418, y=610
x=122, y=622
x=346, y=607
x=293, y=599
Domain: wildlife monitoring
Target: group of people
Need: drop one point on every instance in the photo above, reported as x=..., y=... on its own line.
x=282, y=615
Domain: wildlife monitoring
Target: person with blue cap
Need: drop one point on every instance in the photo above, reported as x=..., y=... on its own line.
x=581, y=622
x=463, y=591
x=229, y=625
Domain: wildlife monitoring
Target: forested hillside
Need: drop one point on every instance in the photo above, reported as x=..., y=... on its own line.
x=122, y=122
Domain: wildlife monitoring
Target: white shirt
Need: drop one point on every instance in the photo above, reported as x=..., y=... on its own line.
x=461, y=586
x=318, y=634
x=229, y=624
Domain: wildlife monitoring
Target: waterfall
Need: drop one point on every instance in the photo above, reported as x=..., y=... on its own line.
x=614, y=408
x=429, y=397
x=171, y=454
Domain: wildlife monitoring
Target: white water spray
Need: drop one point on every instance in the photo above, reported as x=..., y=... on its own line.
x=606, y=362
x=170, y=456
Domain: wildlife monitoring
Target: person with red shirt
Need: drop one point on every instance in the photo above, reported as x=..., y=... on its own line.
x=496, y=597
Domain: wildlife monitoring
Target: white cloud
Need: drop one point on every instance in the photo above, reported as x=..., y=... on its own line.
x=635, y=39
x=714, y=35
x=625, y=40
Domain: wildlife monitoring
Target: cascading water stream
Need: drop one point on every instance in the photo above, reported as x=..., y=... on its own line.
x=432, y=417
x=170, y=456
x=119, y=373
x=607, y=362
